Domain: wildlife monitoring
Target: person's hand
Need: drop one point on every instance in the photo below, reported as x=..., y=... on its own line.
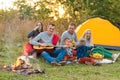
x=43, y=44
x=36, y=28
x=70, y=45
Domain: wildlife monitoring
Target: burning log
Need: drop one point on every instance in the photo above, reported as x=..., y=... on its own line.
x=22, y=66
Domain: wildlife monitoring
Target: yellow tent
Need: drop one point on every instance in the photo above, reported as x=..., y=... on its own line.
x=103, y=32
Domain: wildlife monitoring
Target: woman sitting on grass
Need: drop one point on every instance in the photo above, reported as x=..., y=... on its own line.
x=87, y=35
x=28, y=48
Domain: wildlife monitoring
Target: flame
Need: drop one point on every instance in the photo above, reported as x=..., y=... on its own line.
x=22, y=61
x=22, y=66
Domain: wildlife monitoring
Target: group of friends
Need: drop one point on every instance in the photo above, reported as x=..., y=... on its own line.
x=67, y=48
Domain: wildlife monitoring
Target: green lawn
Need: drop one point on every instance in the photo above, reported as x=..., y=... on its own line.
x=67, y=72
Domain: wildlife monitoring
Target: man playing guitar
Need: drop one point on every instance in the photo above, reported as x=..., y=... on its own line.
x=45, y=39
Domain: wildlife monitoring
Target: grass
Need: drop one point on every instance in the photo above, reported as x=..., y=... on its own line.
x=67, y=72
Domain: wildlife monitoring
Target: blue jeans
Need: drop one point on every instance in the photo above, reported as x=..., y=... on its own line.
x=56, y=56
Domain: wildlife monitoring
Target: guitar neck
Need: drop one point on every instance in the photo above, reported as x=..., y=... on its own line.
x=50, y=47
x=61, y=46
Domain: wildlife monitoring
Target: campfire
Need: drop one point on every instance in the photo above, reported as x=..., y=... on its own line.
x=22, y=66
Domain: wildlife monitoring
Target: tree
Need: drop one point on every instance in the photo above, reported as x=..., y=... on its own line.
x=74, y=10
x=38, y=10
x=108, y=9
x=80, y=10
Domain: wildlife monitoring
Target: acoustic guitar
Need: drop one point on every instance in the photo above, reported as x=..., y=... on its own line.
x=50, y=48
x=39, y=49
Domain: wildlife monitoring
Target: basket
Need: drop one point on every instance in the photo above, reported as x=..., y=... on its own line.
x=95, y=53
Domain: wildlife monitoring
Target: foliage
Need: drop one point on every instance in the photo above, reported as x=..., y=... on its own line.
x=108, y=9
x=26, y=10
x=75, y=10
x=24, y=18
x=80, y=10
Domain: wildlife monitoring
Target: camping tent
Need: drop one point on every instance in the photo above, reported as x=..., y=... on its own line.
x=103, y=32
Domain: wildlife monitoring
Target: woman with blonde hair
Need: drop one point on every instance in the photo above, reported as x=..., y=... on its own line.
x=87, y=35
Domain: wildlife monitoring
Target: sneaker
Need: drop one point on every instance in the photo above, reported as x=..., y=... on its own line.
x=105, y=61
x=116, y=57
x=55, y=64
x=62, y=63
x=68, y=62
x=113, y=61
